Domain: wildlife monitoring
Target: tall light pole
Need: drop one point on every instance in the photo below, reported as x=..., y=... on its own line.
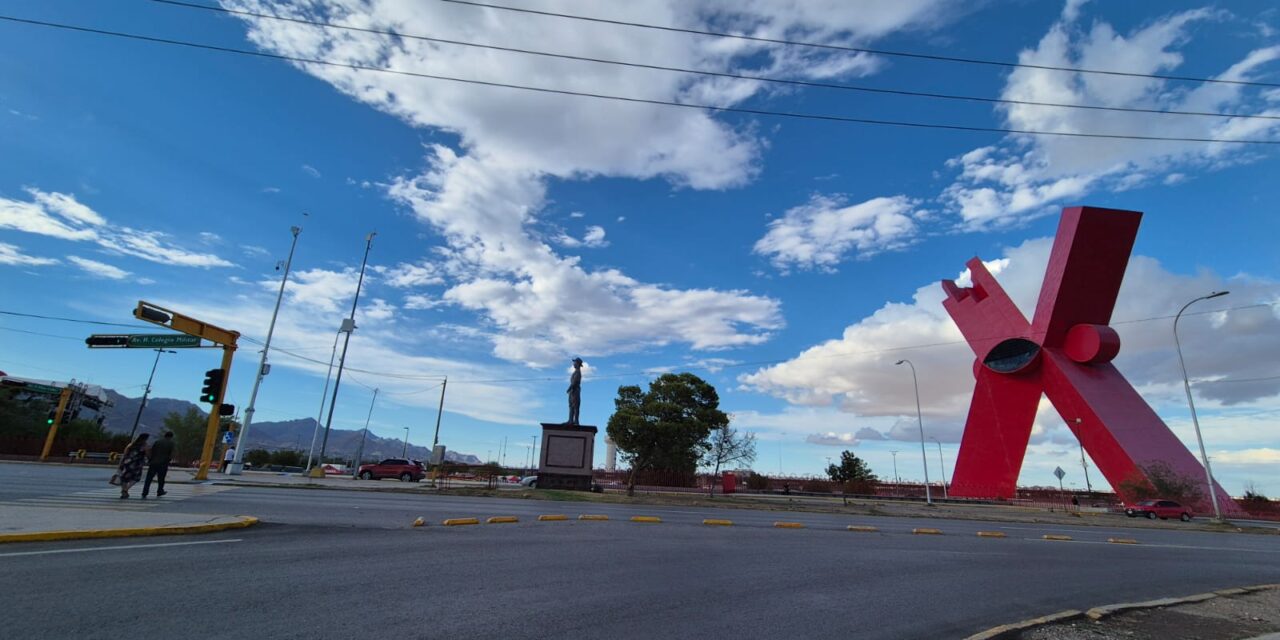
x=237, y=464
x=404, y=452
x=1186, y=383
x=333, y=402
x=928, y=497
x=533, y=456
x=941, y=463
x=347, y=326
x=1084, y=465
x=896, y=479
x=355, y=466
x=147, y=392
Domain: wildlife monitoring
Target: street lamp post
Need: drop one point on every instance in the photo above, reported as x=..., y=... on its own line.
x=896, y=479
x=147, y=392
x=1186, y=383
x=237, y=464
x=355, y=466
x=941, y=463
x=404, y=452
x=347, y=325
x=1083, y=465
x=928, y=497
x=333, y=402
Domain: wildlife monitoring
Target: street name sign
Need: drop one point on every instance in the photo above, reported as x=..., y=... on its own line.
x=142, y=341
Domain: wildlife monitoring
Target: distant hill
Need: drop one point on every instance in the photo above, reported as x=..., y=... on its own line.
x=288, y=434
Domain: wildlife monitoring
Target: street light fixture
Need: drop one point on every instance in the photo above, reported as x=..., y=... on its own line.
x=1186, y=383
x=941, y=463
x=928, y=497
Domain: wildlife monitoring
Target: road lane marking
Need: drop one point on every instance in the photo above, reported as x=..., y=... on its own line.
x=117, y=547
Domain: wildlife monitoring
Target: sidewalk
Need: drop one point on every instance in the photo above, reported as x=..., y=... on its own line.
x=39, y=524
x=299, y=481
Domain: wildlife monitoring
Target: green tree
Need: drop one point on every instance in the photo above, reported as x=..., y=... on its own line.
x=22, y=418
x=668, y=427
x=258, y=457
x=853, y=473
x=188, y=433
x=288, y=458
x=1159, y=480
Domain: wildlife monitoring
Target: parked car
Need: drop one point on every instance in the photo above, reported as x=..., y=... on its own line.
x=406, y=470
x=1163, y=509
x=529, y=481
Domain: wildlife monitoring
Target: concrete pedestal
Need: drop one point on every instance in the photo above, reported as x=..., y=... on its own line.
x=566, y=459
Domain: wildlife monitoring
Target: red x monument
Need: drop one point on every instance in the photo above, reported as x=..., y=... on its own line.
x=1065, y=353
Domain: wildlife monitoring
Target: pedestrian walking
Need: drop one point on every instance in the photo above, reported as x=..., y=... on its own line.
x=130, y=470
x=158, y=464
x=227, y=458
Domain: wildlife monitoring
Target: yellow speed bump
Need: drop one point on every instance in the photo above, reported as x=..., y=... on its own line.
x=789, y=525
x=991, y=534
x=502, y=520
x=1055, y=536
x=926, y=531
x=551, y=517
x=454, y=522
x=862, y=528
x=419, y=522
x=649, y=519
x=1122, y=541
x=588, y=516
x=718, y=523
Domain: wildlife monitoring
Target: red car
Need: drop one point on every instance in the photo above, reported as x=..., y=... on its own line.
x=406, y=470
x=1163, y=509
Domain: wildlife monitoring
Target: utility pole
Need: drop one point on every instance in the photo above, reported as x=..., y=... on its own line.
x=533, y=456
x=368, y=244
x=896, y=479
x=355, y=465
x=347, y=325
x=147, y=392
x=404, y=451
x=237, y=464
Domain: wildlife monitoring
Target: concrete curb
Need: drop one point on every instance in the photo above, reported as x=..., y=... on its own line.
x=1055, y=536
x=648, y=519
x=129, y=532
x=1011, y=630
x=552, y=517
x=715, y=522
x=926, y=531
x=788, y=525
x=862, y=528
x=992, y=534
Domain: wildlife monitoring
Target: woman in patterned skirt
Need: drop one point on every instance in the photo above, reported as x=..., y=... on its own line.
x=131, y=462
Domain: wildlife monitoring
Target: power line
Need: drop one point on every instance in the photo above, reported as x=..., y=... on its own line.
x=37, y=333
x=882, y=52
x=634, y=100
x=77, y=320
x=705, y=72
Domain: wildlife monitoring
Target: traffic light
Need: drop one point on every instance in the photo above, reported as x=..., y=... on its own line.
x=51, y=417
x=226, y=409
x=212, y=386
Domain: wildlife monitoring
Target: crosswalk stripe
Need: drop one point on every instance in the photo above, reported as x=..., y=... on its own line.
x=109, y=498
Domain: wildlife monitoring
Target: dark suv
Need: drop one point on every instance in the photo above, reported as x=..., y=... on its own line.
x=406, y=470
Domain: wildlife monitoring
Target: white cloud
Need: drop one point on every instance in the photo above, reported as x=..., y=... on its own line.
x=99, y=269
x=577, y=214
x=60, y=215
x=311, y=171
x=485, y=201
x=832, y=439
x=406, y=275
x=418, y=301
x=255, y=251
x=1261, y=456
x=318, y=289
x=12, y=255
x=1021, y=177
x=593, y=238
x=209, y=237
x=822, y=232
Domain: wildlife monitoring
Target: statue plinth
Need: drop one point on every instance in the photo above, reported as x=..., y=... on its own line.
x=567, y=455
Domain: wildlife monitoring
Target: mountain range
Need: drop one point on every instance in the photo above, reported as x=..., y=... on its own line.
x=287, y=434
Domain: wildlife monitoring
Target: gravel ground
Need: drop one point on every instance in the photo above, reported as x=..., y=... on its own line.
x=1223, y=618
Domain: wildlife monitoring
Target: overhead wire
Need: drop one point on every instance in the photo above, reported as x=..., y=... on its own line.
x=866, y=50
x=706, y=72
x=635, y=100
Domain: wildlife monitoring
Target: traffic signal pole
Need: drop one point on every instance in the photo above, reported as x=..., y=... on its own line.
x=211, y=432
x=63, y=399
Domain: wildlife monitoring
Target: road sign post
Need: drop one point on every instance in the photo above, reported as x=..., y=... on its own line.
x=1060, y=473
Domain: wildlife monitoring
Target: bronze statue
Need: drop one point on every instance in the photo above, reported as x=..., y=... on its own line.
x=575, y=391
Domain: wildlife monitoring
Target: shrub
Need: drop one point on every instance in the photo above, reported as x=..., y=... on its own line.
x=757, y=482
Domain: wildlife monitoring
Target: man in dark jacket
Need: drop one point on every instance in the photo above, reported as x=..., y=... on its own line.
x=158, y=464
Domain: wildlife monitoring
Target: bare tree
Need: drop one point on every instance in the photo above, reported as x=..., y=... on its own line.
x=728, y=445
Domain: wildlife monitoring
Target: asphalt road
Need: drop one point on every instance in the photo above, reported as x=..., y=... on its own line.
x=345, y=564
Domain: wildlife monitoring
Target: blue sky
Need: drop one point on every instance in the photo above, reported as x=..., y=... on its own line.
x=789, y=262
